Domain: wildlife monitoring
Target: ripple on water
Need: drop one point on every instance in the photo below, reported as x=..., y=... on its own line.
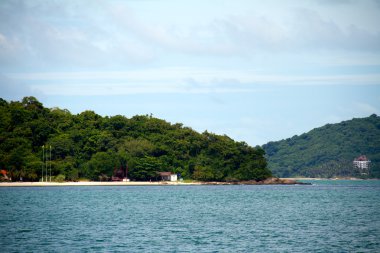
x=326, y=217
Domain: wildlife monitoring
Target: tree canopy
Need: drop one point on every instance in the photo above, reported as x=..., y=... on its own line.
x=90, y=146
x=328, y=151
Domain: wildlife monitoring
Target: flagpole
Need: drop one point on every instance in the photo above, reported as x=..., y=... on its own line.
x=43, y=162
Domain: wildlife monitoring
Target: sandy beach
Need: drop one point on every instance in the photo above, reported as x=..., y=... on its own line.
x=269, y=181
x=47, y=184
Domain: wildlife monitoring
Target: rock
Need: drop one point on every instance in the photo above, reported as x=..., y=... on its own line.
x=288, y=181
x=268, y=181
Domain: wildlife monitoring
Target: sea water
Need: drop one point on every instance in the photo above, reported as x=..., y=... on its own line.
x=328, y=216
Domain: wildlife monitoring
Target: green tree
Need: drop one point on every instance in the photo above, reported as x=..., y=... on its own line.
x=89, y=145
x=145, y=168
x=99, y=164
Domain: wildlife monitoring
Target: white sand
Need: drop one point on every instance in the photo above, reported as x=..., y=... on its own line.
x=37, y=184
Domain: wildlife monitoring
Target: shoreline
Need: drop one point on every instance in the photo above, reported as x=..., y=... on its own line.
x=92, y=183
x=320, y=178
x=270, y=181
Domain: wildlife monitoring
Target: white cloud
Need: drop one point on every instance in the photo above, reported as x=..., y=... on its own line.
x=176, y=80
x=114, y=34
x=122, y=89
x=203, y=76
x=245, y=63
x=333, y=2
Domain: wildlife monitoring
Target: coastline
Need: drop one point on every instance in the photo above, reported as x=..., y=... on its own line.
x=321, y=178
x=269, y=181
x=92, y=183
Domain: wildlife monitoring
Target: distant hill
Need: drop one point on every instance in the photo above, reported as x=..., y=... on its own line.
x=327, y=151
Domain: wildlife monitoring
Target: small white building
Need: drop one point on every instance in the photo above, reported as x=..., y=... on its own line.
x=173, y=177
x=362, y=163
x=168, y=176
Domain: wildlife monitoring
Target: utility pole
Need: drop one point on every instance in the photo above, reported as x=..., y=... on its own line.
x=46, y=159
x=50, y=163
x=43, y=162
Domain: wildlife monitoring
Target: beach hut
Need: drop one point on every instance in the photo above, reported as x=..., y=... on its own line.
x=168, y=176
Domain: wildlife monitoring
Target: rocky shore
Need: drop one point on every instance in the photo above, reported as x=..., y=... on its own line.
x=269, y=181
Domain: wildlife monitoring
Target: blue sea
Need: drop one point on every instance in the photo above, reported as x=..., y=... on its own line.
x=328, y=216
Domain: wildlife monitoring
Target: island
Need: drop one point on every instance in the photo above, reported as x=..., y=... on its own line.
x=40, y=144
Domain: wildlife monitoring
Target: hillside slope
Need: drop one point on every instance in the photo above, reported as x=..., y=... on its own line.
x=88, y=145
x=327, y=151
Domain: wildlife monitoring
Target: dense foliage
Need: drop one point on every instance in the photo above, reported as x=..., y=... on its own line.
x=90, y=146
x=327, y=151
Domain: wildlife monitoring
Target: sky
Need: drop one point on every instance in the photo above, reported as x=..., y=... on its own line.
x=256, y=71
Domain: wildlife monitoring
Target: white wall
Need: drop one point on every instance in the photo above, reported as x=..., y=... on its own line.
x=173, y=177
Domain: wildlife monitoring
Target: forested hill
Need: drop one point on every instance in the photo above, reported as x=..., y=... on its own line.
x=90, y=146
x=327, y=151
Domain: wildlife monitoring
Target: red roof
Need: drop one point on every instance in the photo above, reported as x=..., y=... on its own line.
x=164, y=174
x=361, y=158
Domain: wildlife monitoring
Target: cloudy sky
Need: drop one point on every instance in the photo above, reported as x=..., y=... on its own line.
x=254, y=70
